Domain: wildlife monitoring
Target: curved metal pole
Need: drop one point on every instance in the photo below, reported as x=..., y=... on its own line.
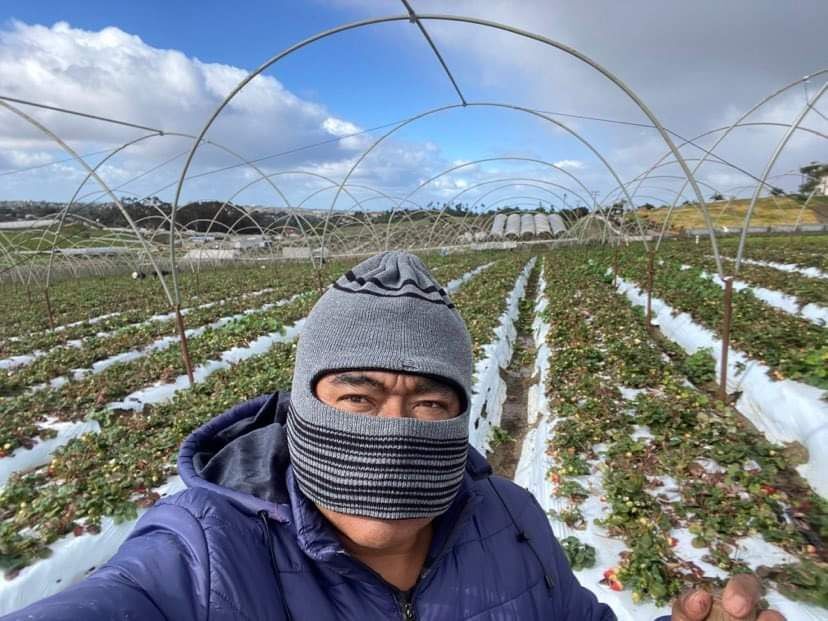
x=586, y=143
x=804, y=206
x=571, y=51
x=572, y=132
x=717, y=258
x=777, y=152
x=293, y=172
x=212, y=143
x=97, y=178
x=264, y=66
x=618, y=82
x=71, y=202
x=479, y=199
x=491, y=159
x=529, y=180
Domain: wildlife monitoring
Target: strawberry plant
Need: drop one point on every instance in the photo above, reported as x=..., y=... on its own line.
x=580, y=555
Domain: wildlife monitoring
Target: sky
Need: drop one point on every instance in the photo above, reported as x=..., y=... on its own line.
x=168, y=66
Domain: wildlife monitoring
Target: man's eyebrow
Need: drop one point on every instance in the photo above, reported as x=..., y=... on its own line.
x=426, y=384
x=356, y=379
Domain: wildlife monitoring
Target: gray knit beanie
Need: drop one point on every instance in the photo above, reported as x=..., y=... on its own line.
x=387, y=313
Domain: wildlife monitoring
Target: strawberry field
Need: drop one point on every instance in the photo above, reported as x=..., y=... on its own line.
x=651, y=483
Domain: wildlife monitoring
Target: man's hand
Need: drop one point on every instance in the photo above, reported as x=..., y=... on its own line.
x=739, y=600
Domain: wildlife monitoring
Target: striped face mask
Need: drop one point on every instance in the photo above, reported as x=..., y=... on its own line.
x=387, y=468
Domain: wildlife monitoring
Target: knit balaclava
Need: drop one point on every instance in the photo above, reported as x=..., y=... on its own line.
x=387, y=313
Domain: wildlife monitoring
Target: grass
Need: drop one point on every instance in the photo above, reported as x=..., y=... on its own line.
x=731, y=214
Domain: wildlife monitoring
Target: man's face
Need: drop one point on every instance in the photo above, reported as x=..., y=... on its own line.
x=384, y=393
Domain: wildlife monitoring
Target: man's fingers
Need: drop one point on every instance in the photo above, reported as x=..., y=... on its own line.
x=692, y=606
x=770, y=615
x=741, y=595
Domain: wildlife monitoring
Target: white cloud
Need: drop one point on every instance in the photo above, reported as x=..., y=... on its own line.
x=115, y=74
x=696, y=65
x=571, y=164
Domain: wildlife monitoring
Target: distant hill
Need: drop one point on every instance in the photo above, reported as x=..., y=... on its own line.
x=769, y=211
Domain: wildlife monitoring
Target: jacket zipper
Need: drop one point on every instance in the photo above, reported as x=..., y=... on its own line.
x=406, y=602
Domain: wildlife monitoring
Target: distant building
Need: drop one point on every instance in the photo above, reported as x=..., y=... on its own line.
x=250, y=242
x=303, y=252
x=211, y=254
x=26, y=224
x=822, y=185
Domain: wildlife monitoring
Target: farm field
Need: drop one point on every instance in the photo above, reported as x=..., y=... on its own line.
x=769, y=211
x=651, y=483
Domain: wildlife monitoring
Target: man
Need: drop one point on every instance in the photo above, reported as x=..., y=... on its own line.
x=355, y=496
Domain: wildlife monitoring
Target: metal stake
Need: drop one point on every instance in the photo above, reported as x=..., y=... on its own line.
x=650, y=274
x=49, y=309
x=185, y=349
x=728, y=314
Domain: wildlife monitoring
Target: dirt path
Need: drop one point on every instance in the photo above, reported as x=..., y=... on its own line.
x=519, y=376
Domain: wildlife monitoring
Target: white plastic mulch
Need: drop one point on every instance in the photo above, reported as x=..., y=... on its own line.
x=25, y=359
x=811, y=272
x=40, y=454
x=533, y=474
x=71, y=560
x=783, y=410
x=786, y=303
x=455, y=284
x=489, y=389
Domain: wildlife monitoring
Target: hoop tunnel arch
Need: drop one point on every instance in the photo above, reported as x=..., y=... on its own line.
x=501, y=187
x=458, y=19
x=492, y=159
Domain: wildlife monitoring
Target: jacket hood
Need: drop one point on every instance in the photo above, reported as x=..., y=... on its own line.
x=242, y=454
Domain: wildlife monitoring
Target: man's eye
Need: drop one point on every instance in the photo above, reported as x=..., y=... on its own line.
x=356, y=398
x=432, y=404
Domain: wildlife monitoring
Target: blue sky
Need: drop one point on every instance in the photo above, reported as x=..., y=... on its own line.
x=384, y=73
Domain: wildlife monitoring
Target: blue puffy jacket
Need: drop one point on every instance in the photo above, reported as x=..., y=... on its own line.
x=243, y=543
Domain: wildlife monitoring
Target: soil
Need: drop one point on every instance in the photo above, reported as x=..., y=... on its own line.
x=504, y=458
x=518, y=378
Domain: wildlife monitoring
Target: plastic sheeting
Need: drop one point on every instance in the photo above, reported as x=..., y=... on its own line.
x=498, y=224
x=811, y=272
x=513, y=225
x=455, y=284
x=786, y=303
x=784, y=410
x=542, y=224
x=532, y=473
x=557, y=224
x=72, y=559
x=527, y=225
x=489, y=389
x=41, y=453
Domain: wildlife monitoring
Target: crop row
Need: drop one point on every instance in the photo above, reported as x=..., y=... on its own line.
x=806, y=290
x=113, y=472
x=791, y=346
x=731, y=483
x=482, y=302
x=83, y=298
x=136, y=301
x=64, y=358
x=802, y=250
x=22, y=416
